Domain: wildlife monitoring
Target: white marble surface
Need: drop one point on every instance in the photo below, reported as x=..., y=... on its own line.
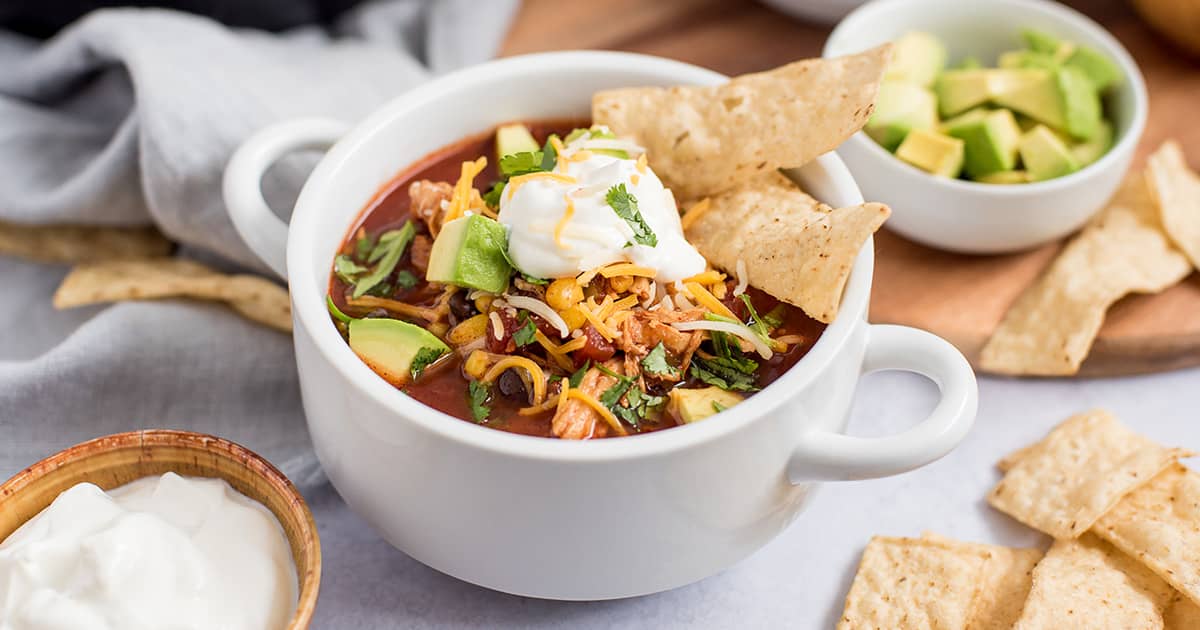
x=799, y=580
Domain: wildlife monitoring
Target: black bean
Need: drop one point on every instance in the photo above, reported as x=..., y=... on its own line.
x=461, y=306
x=511, y=385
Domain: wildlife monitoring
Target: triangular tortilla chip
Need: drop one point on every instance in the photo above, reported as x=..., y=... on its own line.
x=1176, y=190
x=703, y=140
x=794, y=247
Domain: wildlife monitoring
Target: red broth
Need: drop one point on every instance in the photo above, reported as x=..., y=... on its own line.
x=444, y=386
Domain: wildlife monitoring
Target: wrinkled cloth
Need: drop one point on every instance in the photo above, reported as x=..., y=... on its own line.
x=128, y=117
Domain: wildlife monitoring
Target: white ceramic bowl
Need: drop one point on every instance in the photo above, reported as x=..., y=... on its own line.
x=551, y=518
x=979, y=218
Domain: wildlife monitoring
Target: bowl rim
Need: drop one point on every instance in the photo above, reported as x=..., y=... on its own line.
x=310, y=312
x=841, y=41
x=142, y=439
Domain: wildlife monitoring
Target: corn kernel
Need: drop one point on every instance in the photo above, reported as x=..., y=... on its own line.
x=620, y=284
x=563, y=293
x=573, y=317
x=468, y=330
x=477, y=364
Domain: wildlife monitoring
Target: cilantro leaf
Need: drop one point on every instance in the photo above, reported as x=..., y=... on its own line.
x=640, y=404
x=549, y=155
x=524, y=335
x=655, y=363
x=577, y=378
x=387, y=252
x=406, y=279
x=534, y=280
x=612, y=396
x=760, y=327
x=346, y=269
x=477, y=397
x=363, y=247
x=625, y=205
x=719, y=373
x=492, y=197
x=522, y=163
x=774, y=318
x=718, y=407
x=425, y=357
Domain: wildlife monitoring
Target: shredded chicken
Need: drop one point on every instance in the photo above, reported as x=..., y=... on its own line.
x=425, y=201
x=645, y=329
x=643, y=288
x=577, y=421
x=421, y=246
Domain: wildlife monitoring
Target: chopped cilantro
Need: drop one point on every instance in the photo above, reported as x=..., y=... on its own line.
x=406, y=279
x=425, y=357
x=612, y=396
x=637, y=402
x=757, y=324
x=346, y=269
x=655, y=363
x=524, y=335
x=477, y=397
x=336, y=312
x=625, y=205
x=774, y=318
x=387, y=252
x=363, y=247
x=718, y=373
x=549, y=155
x=577, y=377
x=492, y=197
x=523, y=163
x=535, y=280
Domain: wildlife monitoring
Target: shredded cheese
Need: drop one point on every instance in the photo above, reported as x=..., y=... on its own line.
x=633, y=179
x=538, y=307
x=535, y=374
x=460, y=199
x=695, y=212
x=625, y=303
x=627, y=269
x=497, y=325
x=563, y=397
x=743, y=278
x=641, y=164
x=580, y=156
x=557, y=144
x=553, y=350
x=584, y=278
x=708, y=300
x=738, y=330
x=604, y=309
x=515, y=183
x=608, y=416
x=602, y=328
x=574, y=344
x=562, y=223
x=712, y=276
x=551, y=403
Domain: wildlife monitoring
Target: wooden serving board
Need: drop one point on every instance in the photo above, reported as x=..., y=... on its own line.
x=961, y=298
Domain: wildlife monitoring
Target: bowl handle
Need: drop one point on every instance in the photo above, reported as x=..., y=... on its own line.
x=263, y=231
x=824, y=455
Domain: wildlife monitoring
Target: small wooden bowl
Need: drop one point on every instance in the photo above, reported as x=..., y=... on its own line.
x=118, y=459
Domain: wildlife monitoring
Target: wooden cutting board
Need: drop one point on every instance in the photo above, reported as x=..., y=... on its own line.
x=961, y=298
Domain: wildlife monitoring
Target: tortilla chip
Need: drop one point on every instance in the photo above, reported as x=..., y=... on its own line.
x=1050, y=328
x=913, y=583
x=703, y=140
x=1159, y=524
x=75, y=244
x=795, y=248
x=1086, y=583
x=1078, y=473
x=1008, y=461
x=1004, y=582
x=1182, y=614
x=1176, y=190
x=256, y=298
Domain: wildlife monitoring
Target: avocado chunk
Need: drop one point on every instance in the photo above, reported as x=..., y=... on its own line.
x=933, y=152
x=1087, y=152
x=1041, y=41
x=693, y=405
x=900, y=108
x=990, y=142
x=970, y=62
x=1097, y=67
x=470, y=252
x=390, y=346
x=960, y=90
x=1014, y=59
x=514, y=138
x=917, y=58
x=1081, y=102
x=1045, y=155
x=1030, y=91
x=1005, y=177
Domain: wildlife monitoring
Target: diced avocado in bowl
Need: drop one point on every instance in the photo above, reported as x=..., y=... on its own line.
x=395, y=349
x=472, y=252
x=1046, y=95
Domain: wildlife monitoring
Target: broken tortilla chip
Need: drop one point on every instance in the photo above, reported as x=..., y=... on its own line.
x=76, y=244
x=1050, y=328
x=1182, y=614
x=1077, y=473
x=1005, y=581
x=793, y=247
x=255, y=298
x=1176, y=191
x=1086, y=583
x=703, y=140
x=1159, y=524
x=913, y=583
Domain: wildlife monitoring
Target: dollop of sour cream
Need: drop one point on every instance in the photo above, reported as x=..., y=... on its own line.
x=160, y=552
x=562, y=226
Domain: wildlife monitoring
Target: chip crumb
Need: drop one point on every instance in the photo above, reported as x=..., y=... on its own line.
x=1079, y=471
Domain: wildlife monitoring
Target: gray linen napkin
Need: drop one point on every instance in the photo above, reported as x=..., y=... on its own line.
x=128, y=117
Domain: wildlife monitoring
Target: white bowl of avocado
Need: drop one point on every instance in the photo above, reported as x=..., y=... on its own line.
x=1000, y=125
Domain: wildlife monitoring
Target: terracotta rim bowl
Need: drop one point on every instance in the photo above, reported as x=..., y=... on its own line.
x=115, y=460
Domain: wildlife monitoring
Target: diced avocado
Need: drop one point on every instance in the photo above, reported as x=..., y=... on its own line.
x=1097, y=67
x=693, y=405
x=1045, y=156
x=960, y=90
x=917, y=58
x=975, y=114
x=1081, y=103
x=933, y=152
x=900, y=108
x=1027, y=59
x=1005, y=177
x=1030, y=91
x=990, y=142
x=389, y=346
x=1087, y=152
x=1040, y=41
x=514, y=138
x=470, y=252
x=970, y=62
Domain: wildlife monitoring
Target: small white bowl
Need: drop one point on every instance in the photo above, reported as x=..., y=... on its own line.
x=976, y=218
